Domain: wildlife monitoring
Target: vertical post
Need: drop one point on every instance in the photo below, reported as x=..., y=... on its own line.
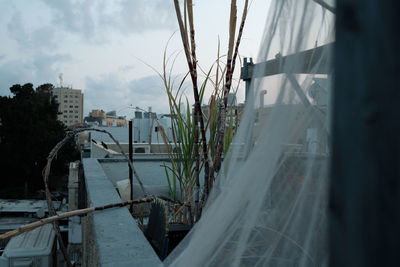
x=245, y=75
x=73, y=185
x=262, y=95
x=365, y=169
x=74, y=223
x=130, y=158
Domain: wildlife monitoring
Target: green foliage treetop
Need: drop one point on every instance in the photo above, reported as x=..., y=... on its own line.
x=29, y=129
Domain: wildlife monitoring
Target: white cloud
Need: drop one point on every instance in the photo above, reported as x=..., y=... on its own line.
x=110, y=92
x=95, y=20
x=84, y=39
x=46, y=66
x=27, y=37
x=41, y=69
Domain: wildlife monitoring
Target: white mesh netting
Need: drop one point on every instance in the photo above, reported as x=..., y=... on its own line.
x=268, y=206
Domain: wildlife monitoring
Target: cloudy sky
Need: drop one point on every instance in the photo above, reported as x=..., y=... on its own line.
x=106, y=47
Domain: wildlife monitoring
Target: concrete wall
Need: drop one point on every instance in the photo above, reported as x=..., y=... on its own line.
x=155, y=151
x=111, y=237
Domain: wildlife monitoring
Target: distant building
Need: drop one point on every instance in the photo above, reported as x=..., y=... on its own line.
x=110, y=119
x=97, y=113
x=233, y=109
x=70, y=105
x=147, y=127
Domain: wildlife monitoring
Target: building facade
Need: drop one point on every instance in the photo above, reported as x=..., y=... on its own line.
x=110, y=119
x=70, y=105
x=116, y=121
x=97, y=113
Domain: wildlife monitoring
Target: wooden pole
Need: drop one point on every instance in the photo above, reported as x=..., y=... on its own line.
x=65, y=215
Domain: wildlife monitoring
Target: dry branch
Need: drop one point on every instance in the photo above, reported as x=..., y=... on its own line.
x=65, y=215
x=57, y=217
x=46, y=172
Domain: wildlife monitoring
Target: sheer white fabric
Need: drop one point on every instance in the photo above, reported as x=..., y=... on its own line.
x=269, y=204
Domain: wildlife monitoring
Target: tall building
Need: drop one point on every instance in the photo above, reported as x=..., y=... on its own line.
x=70, y=105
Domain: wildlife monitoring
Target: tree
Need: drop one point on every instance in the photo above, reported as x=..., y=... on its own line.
x=29, y=129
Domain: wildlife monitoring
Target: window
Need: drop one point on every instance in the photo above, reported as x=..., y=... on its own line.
x=71, y=101
x=70, y=116
x=65, y=106
x=65, y=101
x=71, y=106
x=76, y=111
x=66, y=96
x=70, y=111
x=65, y=116
x=76, y=116
x=76, y=96
x=65, y=111
x=76, y=101
x=76, y=106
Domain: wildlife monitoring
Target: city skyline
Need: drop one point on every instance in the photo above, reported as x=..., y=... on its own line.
x=106, y=49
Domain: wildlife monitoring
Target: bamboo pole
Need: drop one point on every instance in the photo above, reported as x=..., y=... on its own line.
x=57, y=217
x=192, y=62
x=65, y=215
x=231, y=62
x=197, y=109
x=230, y=67
x=198, y=112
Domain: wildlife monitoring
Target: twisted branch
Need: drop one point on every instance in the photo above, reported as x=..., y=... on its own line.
x=46, y=172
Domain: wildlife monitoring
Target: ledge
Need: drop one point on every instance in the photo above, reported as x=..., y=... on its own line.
x=111, y=237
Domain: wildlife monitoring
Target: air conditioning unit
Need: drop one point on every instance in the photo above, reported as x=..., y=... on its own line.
x=35, y=248
x=141, y=148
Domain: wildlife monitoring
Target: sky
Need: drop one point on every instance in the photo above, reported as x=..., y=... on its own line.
x=111, y=50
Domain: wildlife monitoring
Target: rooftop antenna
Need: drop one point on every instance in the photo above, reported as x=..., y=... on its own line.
x=60, y=77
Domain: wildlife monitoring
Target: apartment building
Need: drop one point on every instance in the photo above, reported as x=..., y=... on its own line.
x=70, y=105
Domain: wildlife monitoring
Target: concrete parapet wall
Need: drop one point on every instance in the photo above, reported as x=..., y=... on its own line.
x=111, y=237
x=157, y=149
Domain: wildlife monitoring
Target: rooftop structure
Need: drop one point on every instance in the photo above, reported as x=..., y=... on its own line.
x=34, y=248
x=25, y=206
x=110, y=119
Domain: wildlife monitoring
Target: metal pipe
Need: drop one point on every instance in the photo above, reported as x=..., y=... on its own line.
x=130, y=158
